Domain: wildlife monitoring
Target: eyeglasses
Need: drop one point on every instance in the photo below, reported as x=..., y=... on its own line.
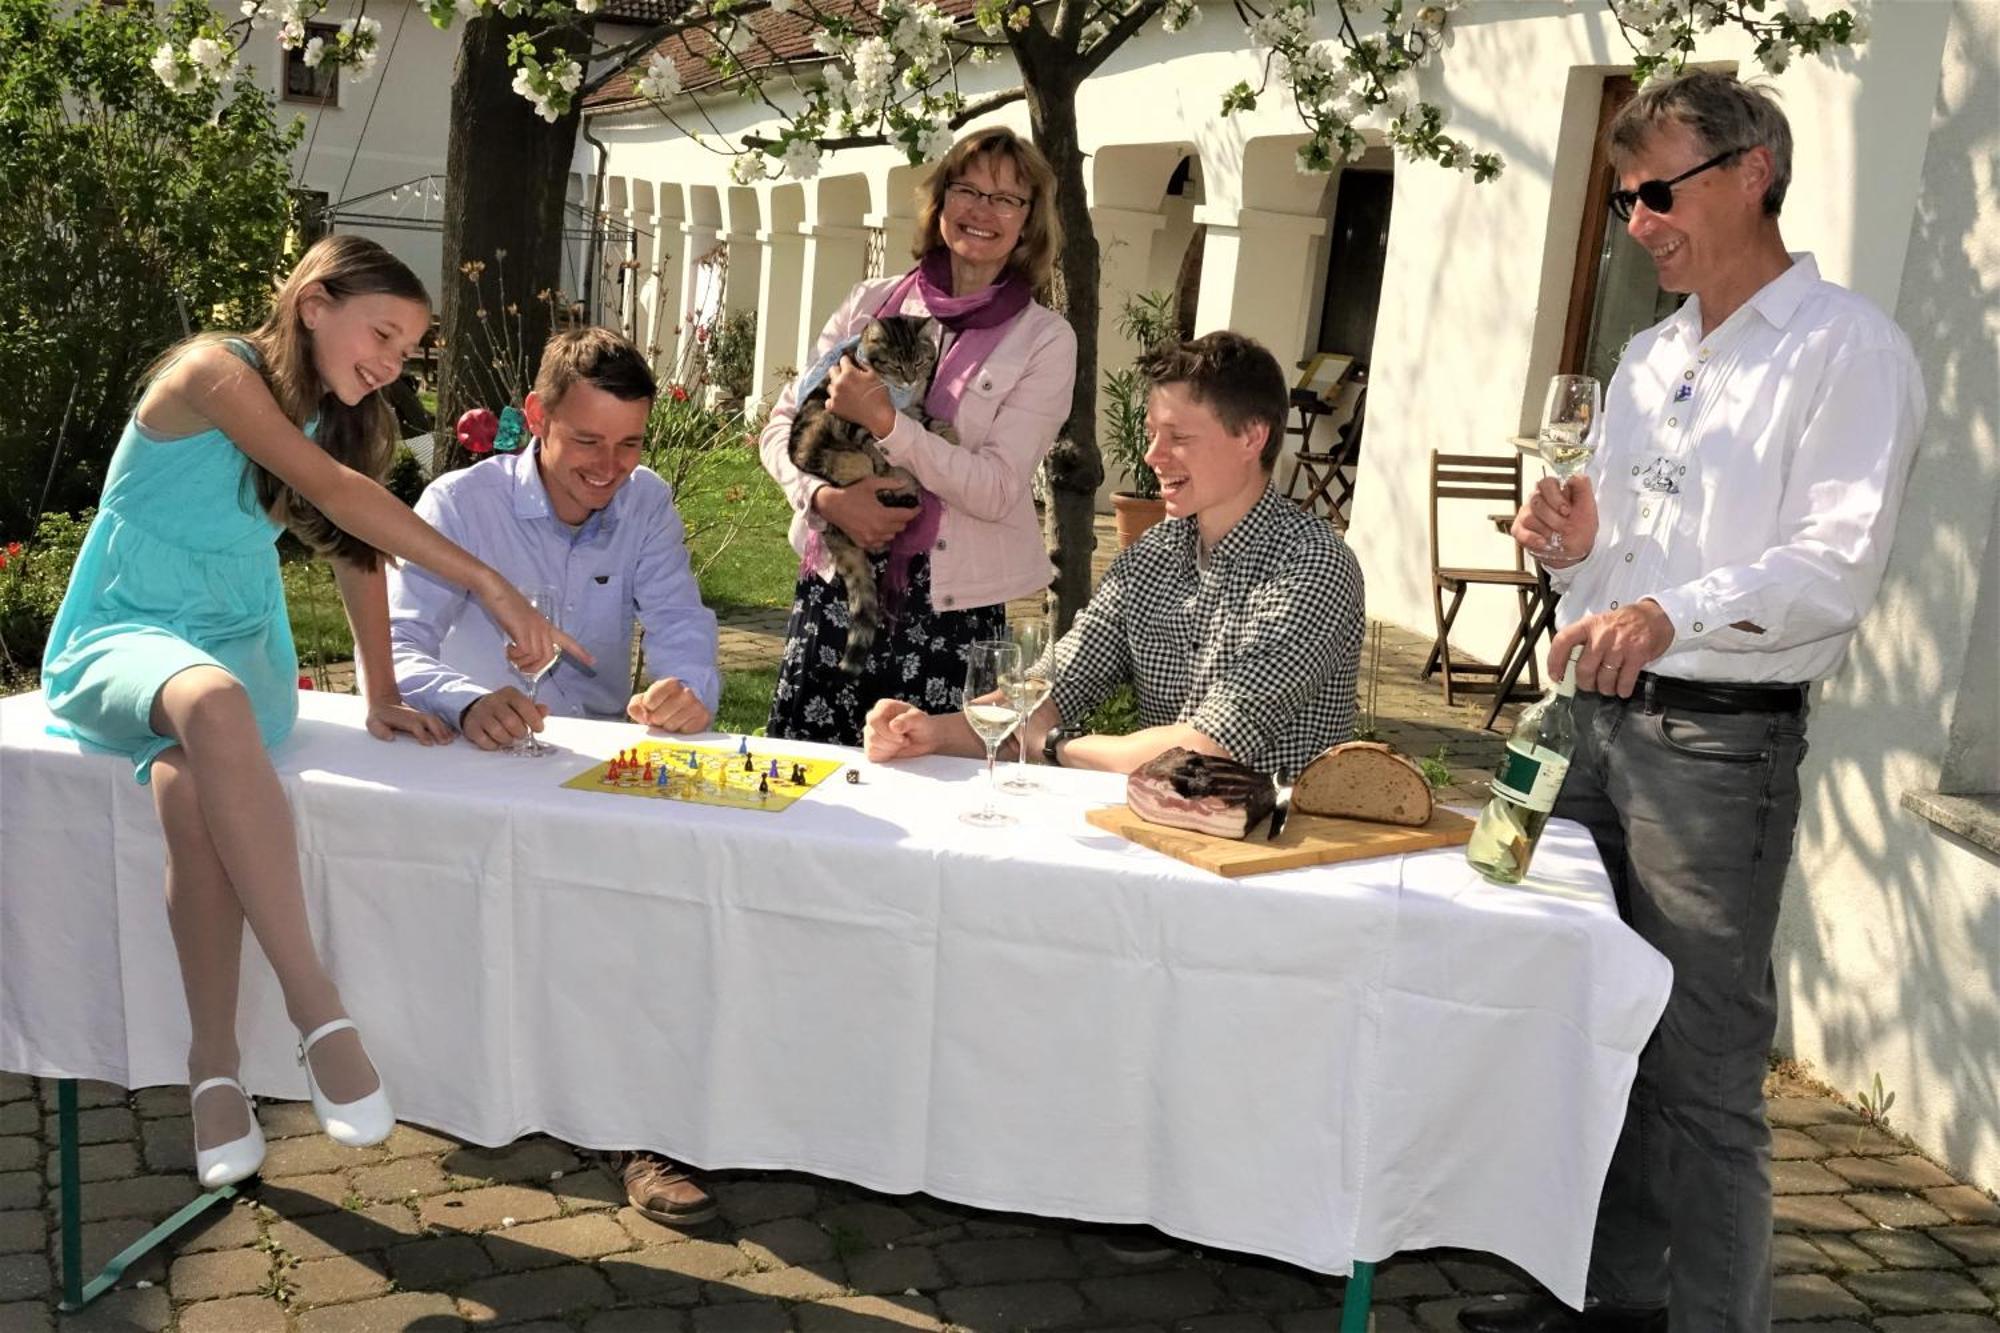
x=1007, y=205
x=1658, y=196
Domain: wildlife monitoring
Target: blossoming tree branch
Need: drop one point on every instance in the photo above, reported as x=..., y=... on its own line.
x=894, y=79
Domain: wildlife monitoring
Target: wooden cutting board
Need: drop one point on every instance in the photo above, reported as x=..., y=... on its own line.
x=1308, y=840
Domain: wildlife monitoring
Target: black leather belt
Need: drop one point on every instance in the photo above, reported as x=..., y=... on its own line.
x=1707, y=696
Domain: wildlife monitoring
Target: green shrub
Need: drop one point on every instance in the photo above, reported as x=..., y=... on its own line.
x=33, y=577
x=129, y=215
x=406, y=480
x=730, y=353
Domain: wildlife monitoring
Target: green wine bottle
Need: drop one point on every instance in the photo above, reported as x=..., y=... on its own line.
x=1524, y=790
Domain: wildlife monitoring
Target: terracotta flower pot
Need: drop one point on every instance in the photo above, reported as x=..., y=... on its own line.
x=1134, y=515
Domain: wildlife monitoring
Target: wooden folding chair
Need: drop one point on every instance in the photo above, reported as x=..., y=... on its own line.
x=1322, y=471
x=1496, y=481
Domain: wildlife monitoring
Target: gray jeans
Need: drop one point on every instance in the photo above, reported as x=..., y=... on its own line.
x=1693, y=814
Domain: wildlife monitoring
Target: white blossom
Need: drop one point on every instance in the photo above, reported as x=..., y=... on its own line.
x=1775, y=57
x=826, y=43
x=314, y=53
x=177, y=75
x=662, y=81
x=208, y=55
x=1859, y=29
x=802, y=159
x=1799, y=10
x=1180, y=14
x=936, y=141
x=588, y=6
x=747, y=168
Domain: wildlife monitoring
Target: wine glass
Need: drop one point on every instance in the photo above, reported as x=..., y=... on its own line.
x=548, y=603
x=992, y=709
x=1031, y=636
x=1569, y=429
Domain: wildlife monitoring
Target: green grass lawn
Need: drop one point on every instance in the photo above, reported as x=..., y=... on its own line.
x=738, y=519
x=746, y=701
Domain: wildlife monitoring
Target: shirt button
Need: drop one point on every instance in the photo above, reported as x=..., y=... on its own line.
x=1697, y=627
x=1688, y=376
x=950, y=601
x=1645, y=513
x=1703, y=355
x=940, y=544
x=1673, y=421
x=1628, y=557
x=1681, y=470
x=1614, y=606
x=1635, y=471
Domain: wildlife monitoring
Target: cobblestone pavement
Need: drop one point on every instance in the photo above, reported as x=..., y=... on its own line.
x=426, y=1234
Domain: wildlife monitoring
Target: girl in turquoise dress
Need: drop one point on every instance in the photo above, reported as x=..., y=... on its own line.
x=173, y=647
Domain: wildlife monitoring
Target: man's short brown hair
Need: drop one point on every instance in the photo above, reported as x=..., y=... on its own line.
x=1233, y=377
x=596, y=355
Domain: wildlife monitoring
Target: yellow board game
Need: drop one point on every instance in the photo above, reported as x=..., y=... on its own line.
x=742, y=779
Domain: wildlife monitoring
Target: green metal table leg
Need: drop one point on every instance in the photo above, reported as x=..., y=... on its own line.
x=1354, y=1301
x=76, y=1292
x=72, y=1192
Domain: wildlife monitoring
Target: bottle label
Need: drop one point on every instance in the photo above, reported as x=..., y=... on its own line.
x=1531, y=777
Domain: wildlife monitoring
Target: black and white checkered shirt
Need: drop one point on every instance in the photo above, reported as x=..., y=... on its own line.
x=1255, y=645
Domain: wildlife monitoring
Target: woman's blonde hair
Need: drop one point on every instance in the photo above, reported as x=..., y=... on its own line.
x=362, y=437
x=1034, y=256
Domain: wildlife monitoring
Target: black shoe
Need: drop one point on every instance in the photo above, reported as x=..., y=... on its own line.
x=1541, y=1313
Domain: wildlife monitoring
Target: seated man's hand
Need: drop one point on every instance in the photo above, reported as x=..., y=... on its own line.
x=389, y=718
x=897, y=730
x=497, y=720
x=669, y=705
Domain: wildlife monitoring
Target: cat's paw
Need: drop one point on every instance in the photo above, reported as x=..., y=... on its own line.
x=898, y=499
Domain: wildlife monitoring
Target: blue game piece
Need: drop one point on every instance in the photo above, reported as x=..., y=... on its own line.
x=743, y=745
x=772, y=772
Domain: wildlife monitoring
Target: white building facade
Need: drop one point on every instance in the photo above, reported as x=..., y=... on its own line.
x=1890, y=949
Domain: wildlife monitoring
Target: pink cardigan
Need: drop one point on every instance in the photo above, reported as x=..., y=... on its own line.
x=989, y=547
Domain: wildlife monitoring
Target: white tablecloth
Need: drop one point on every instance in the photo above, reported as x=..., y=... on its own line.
x=1319, y=1065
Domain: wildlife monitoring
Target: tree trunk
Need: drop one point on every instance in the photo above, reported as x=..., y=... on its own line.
x=1075, y=468
x=506, y=180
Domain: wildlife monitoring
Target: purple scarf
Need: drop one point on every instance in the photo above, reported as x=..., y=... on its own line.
x=980, y=320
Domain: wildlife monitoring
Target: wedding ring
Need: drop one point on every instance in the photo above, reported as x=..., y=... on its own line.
x=1609, y=666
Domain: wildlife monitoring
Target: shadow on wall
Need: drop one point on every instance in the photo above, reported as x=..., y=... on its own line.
x=1887, y=961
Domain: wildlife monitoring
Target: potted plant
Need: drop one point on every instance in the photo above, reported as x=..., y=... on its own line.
x=1139, y=506
x=729, y=358
x=1147, y=319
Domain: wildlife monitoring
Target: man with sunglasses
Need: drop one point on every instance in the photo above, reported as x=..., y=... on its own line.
x=1716, y=558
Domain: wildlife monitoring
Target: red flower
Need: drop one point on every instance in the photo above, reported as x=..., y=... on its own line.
x=3, y=562
x=477, y=429
x=13, y=548
x=677, y=393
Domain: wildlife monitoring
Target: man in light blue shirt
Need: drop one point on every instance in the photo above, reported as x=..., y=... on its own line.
x=575, y=514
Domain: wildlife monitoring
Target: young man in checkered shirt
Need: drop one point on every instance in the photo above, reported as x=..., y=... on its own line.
x=1238, y=619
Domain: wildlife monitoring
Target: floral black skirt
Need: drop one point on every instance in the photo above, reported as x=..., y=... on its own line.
x=919, y=656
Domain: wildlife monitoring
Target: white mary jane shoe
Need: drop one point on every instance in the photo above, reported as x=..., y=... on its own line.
x=238, y=1159
x=356, y=1124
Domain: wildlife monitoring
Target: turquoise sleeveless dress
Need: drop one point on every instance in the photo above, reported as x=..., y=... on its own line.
x=179, y=569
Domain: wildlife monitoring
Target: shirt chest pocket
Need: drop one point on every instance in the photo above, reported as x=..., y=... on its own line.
x=597, y=614
x=985, y=393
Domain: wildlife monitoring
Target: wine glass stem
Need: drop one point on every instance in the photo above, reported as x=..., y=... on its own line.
x=992, y=781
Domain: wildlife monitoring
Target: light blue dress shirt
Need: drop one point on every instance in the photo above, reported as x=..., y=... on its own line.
x=628, y=560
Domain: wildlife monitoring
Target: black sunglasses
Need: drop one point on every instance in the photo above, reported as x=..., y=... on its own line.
x=1658, y=196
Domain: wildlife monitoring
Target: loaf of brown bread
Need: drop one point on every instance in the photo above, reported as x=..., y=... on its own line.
x=1364, y=780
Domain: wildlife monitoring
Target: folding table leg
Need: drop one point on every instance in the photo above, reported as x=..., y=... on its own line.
x=76, y=1292
x=1355, y=1300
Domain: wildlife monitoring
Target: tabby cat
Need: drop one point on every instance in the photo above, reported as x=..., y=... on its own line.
x=900, y=349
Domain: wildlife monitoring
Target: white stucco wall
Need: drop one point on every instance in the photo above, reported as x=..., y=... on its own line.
x=1477, y=285
x=388, y=129
x=1889, y=951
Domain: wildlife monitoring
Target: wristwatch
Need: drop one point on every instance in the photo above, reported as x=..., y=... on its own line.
x=1050, y=740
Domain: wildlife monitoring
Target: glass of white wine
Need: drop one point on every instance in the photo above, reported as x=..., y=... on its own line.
x=1569, y=429
x=992, y=710
x=1031, y=636
x=549, y=603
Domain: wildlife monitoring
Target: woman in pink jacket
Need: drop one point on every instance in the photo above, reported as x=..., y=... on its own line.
x=987, y=240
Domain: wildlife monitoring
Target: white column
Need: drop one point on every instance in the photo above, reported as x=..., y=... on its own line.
x=1256, y=277
x=1124, y=257
x=746, y=263
x=779, y=297
x=697, y=240
x=836, y=258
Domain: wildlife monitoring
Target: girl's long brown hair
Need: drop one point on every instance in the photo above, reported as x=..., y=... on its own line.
x=363, y=437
